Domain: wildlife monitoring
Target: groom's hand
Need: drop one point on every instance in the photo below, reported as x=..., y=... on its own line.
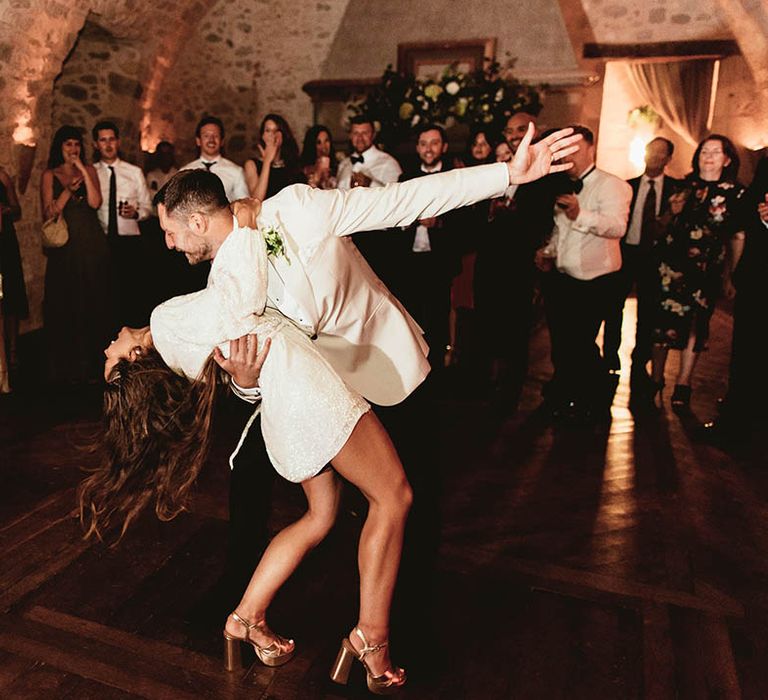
x=245, y=360
x=246, y=211
x=534, y=161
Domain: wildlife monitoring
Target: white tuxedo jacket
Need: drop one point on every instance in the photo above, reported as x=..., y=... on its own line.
x=361, y=329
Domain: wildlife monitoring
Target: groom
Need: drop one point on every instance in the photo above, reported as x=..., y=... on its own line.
x=318, y=279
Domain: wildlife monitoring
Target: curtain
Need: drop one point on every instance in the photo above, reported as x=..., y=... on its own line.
x=681, y=92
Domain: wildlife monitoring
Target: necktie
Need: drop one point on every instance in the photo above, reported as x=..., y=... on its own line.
x=648, y=221
x=112, y=218
x=209, y=164
x=356, y=159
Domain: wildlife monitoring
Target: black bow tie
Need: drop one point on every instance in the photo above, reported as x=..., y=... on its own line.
x=208, y=165
x=578, y=186
x=357, y=159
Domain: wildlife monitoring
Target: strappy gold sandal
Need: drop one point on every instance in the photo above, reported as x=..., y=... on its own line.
x=387, y=683
x=276, y=654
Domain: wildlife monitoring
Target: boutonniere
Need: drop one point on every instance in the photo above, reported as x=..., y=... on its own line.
x=274, y=242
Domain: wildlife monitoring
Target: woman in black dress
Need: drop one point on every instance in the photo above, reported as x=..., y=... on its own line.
x=695, y=260
x=76, y=302
x=14, y=299
x=278, y=163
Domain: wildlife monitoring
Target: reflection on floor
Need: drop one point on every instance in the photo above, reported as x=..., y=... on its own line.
x=621, y=560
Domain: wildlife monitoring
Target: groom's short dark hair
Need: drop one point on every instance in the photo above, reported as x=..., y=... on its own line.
x=190, y=191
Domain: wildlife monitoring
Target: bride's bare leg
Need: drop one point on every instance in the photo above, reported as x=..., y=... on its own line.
x=285, y=552
x=369, y=461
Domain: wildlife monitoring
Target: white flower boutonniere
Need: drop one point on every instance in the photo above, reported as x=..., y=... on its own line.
x=275, y=243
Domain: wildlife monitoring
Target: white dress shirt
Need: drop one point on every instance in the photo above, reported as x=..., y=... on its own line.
x=381, y=167
x=589, y=246
x=636, y=220
x=231, y=174
x=131, y=188
x=156, y=179
x=421, y=242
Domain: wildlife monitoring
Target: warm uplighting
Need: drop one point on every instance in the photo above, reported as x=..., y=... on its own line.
x=637, y=150
x=24, y=135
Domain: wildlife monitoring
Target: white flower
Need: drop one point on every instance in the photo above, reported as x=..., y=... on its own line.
x=452, y=88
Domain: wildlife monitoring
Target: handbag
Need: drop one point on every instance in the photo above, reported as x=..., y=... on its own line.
x=55, y=232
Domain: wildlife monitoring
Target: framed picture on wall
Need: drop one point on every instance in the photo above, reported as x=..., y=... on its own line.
x=430, y=59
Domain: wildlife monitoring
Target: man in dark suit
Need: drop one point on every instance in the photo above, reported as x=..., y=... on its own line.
x=429, y=252
x=650, y=200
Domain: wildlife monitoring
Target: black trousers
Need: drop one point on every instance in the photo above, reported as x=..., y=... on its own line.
x=575, y=310
x=638, y=270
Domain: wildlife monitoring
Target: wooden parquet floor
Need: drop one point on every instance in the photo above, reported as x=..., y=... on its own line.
x=624, y=560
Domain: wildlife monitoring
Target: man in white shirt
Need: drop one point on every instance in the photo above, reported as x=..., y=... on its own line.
x=209, y=136
x=650, y=200
x=125, y=200
x=585, y=251
x=368, y=166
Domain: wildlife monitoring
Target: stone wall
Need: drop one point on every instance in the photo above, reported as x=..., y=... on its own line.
x=243, y=61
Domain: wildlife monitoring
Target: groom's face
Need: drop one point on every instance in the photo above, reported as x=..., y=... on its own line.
x=186, y=234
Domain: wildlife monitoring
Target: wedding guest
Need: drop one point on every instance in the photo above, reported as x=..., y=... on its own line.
x=505, y=280
x=76, y=313
x=163, y=166
x=318, y=158
x=696, y=261
x=743, y=411
x=650, y=201
x=209, y=137
x=14, y=299
x=473, y=219
x=125, y=200
x=277, y=164
x=369, y=166
x=429, y=257
x=583, y=254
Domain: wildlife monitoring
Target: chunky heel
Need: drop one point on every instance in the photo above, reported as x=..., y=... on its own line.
x=389, y=682
x=275, y=654
x=232, y=658
x=342, y=667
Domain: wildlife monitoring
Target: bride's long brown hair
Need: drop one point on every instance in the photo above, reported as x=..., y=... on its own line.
x=154, y=442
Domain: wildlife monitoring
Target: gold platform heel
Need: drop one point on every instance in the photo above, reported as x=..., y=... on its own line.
x=276, y=654
x=387, y=683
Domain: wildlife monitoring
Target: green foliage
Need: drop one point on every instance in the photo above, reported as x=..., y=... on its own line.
x=483, y=98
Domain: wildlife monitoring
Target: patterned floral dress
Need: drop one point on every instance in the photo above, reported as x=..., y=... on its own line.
x=691, y=257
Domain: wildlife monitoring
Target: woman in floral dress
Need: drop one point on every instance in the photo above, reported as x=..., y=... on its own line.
x=694, y=253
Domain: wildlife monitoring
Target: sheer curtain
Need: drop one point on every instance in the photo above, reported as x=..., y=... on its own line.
x=680, y=91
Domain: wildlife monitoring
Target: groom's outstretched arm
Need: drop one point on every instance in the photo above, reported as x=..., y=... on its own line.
x=362, y=209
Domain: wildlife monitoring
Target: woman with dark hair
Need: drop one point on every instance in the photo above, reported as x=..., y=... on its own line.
x=478, y=151
x=157, y=429
x=318, y=160
x=76, y=301
x=278, y=163
x=695, y=260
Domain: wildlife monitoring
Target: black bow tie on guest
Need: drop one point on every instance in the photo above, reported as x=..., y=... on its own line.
x=357, y=159
x=208, y=165
x=578, y=186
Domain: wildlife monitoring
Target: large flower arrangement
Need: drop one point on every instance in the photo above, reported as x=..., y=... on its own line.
x=486, y=97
